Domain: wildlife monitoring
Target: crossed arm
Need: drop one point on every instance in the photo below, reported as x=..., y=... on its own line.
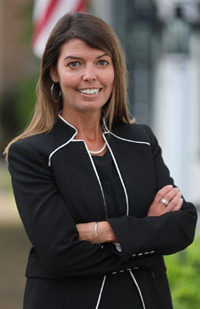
x=105, y=232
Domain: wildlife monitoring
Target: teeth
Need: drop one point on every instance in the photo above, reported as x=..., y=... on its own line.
x=89, y=91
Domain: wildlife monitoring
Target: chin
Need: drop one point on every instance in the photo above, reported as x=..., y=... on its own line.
x=90, y=108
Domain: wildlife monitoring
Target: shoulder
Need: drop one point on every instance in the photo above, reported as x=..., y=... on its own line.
x=134, y=132
x=25, y=157
x=30, y=144
x=24, y=152
x=33, y=148
x=44, y=143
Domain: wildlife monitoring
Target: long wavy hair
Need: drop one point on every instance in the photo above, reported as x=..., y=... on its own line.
x=96, y=34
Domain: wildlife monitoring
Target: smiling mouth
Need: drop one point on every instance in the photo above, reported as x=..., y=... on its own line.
x=89, y=91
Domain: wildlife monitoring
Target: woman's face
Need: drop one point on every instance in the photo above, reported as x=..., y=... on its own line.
x=85, y=75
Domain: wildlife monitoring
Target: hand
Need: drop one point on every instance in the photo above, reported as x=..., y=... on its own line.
x=170, y=194
x=104, y=232
x=86, y=232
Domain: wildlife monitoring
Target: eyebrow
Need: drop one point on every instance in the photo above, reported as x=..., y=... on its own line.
x=74, y=57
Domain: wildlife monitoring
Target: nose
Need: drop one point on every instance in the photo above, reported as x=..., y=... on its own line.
x=89, y=74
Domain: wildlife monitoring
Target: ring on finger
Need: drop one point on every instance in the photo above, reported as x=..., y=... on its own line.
x=164, y=201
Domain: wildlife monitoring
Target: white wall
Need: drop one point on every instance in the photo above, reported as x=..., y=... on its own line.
x=177, y=117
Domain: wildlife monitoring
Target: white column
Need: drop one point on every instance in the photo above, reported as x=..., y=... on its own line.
x=193, y=144
x=171, y=111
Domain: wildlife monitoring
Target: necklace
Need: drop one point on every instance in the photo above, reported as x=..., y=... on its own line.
x=98, y=151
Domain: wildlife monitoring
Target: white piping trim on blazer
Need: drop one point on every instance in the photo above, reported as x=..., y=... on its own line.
x=67, y=123
x=100, y=293
x=107, y=131
x=124, y=139
x=93, y=165
x=63, y=145
x=120, y=176
x=138, y=288
x=137, y=142
x=95, y=170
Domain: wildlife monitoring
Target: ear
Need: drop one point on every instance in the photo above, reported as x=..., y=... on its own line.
x=54, y=75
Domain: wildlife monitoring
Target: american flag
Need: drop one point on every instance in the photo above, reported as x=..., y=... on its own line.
x=45, y=15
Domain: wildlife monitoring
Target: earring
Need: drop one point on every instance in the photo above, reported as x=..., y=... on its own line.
x=52, y=94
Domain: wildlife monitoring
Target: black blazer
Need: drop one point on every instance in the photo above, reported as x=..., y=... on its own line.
x=57, y=186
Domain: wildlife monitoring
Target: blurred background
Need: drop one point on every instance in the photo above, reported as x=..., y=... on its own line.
x=161, y=39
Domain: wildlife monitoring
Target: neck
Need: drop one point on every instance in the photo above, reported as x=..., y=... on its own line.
x=87, y=124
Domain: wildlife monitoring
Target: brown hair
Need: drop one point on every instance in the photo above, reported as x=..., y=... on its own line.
x=97, y=34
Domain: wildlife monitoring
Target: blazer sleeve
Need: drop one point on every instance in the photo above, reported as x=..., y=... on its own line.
x=48, y=221
x=165, y=234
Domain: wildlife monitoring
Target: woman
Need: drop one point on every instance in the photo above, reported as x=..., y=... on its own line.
x=95, y=197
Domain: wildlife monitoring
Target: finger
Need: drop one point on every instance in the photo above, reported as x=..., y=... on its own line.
x=171, y=194
x=173, y=203
x=162, y=192
x=180, y=204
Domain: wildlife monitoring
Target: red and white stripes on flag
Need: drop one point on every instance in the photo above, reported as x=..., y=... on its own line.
x=46, y=14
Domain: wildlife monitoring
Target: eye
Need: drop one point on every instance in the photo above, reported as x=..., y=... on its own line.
x=103, y=63
x=73, y=64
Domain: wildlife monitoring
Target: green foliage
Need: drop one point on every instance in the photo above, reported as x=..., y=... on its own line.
x=5, y=183
x=25, y=101
x=24, y=13
x=184, y=277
